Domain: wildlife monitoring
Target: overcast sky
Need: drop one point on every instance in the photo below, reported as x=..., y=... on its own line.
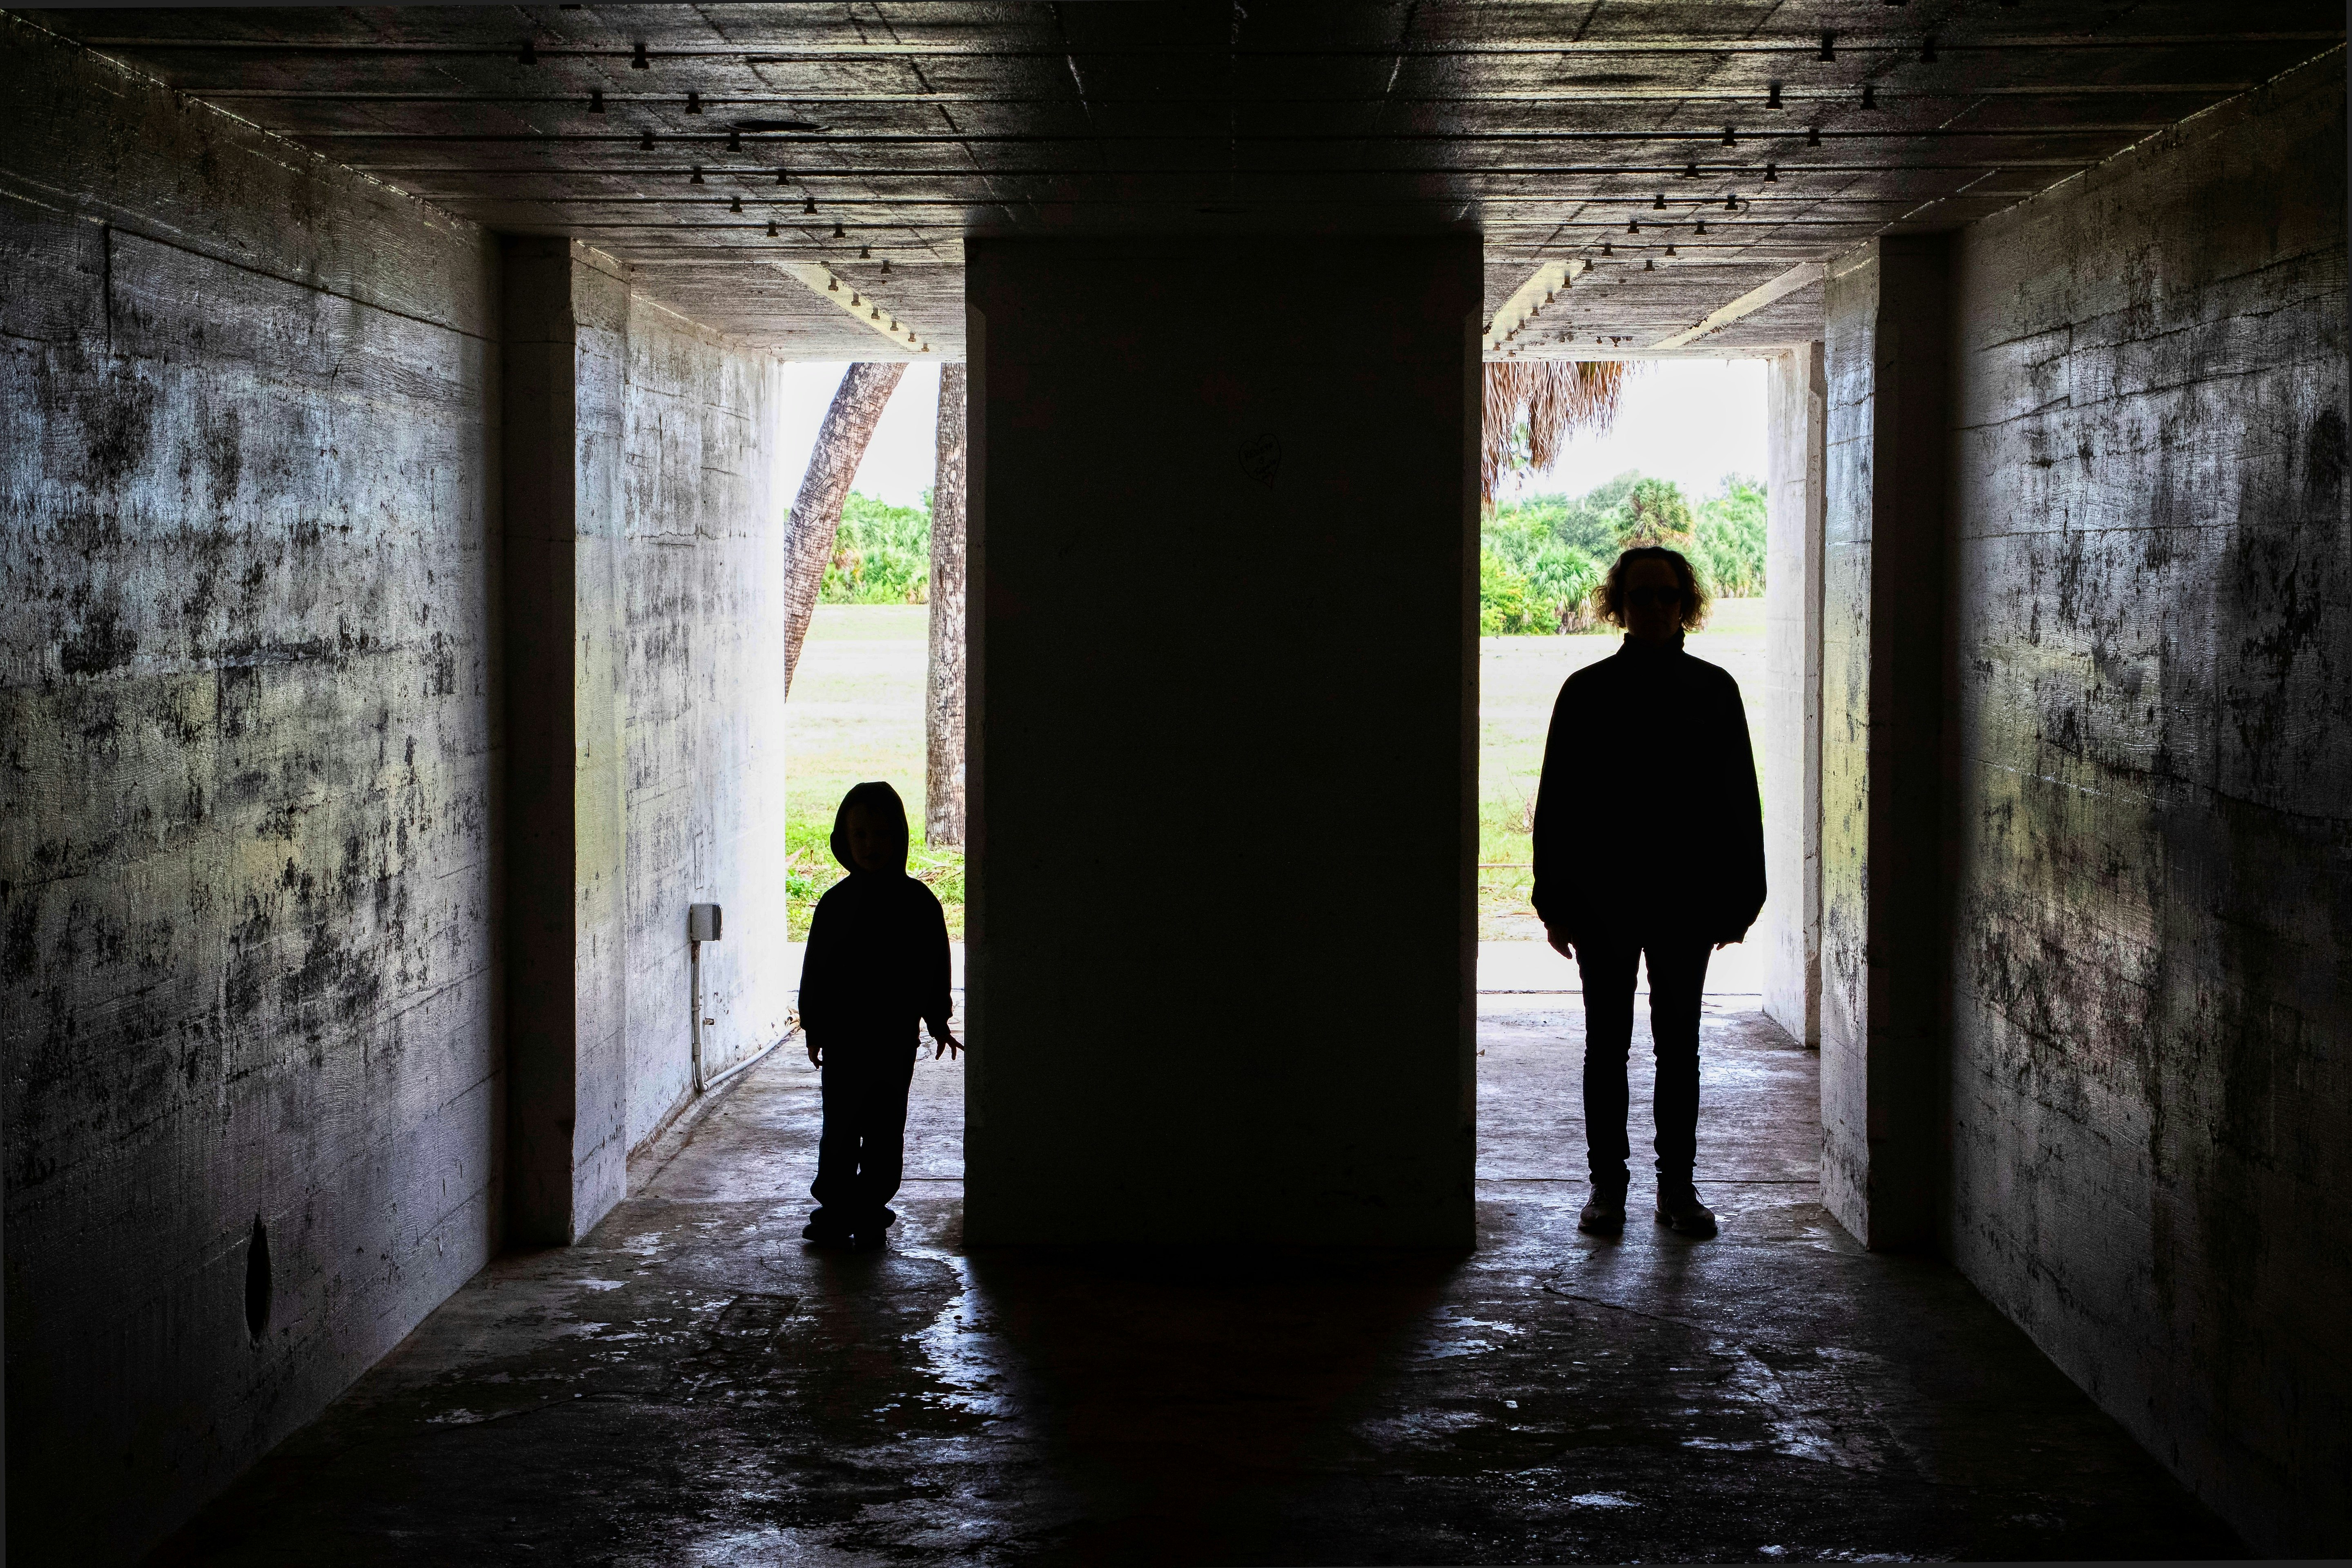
x=899, y=459
x=1690, y=421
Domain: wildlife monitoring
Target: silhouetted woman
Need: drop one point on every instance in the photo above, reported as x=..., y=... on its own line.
x=1649, y=840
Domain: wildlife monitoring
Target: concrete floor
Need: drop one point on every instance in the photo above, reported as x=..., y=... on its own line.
x=693, y=1386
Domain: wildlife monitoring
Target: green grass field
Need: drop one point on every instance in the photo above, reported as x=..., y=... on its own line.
x=857, y=712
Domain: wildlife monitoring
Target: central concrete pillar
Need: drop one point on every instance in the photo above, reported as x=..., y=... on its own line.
x=1222, y=599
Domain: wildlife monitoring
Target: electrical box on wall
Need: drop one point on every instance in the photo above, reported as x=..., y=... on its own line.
x=702, y=922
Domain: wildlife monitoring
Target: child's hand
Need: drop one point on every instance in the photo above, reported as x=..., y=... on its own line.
x=816, y=1056
x=944, y=1043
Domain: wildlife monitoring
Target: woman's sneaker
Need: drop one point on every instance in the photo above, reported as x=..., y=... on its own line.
x=1682, y=1214
x=1604, y=1214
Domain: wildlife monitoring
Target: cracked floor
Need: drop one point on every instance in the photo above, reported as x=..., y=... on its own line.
x=692, y=1386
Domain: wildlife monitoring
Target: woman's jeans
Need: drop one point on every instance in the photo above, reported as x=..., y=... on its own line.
x=1677, y=973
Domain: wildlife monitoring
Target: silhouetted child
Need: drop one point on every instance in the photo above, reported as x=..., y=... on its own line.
x=877, y=965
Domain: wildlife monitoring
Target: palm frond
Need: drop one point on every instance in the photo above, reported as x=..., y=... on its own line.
x=1549, y=400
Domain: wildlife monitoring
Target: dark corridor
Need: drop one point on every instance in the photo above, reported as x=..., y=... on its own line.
x=371, y=378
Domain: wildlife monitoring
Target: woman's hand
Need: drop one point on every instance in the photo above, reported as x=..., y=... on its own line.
x=945, y=1042
x=1559, y=943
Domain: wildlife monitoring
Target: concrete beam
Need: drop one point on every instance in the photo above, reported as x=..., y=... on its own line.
x=862, y=306
x=1803, y=276
x=1520, y=309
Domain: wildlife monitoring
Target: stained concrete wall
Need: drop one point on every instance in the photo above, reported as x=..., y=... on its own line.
x=1790, y=745
x=336, y=538
x=702, y=576
x=646, y=554
x=2150, y=1100
x=248, y=706
x=641, y=483
x=1191, y=1021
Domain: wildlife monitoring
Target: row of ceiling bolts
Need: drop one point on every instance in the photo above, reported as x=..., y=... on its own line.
x=1730, y=132
x=639, y=61
x=734, y=145
x=1829, y=50
x=864, y=252
x=874, y=312
x=1731, y=204
x=528, y=55
x=1927, y=55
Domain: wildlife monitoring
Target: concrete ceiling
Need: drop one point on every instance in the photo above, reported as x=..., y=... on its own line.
x=867, y=133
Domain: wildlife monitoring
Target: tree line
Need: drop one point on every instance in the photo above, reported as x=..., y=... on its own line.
x=1540, y=559
x=881, y=553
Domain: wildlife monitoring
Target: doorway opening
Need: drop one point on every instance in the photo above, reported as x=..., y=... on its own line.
x=877, y=687
x=1686, y=459
x=1683, y=453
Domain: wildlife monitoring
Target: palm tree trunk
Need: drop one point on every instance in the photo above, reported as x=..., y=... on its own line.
x=943, y=781
x=816, y=512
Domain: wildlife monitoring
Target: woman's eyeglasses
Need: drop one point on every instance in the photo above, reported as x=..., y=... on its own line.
x=1658, y=598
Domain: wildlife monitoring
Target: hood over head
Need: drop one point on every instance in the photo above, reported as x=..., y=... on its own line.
x=889, y=813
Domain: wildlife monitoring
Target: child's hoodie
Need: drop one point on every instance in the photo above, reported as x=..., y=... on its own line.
x=877, y=949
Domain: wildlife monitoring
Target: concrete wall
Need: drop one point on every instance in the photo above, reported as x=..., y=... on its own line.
x=1222, y=583
x=2150, y=1099
x=1790, y=745
x=308, y=490
x=248, y=708
x=646, y=555
x=702, y=573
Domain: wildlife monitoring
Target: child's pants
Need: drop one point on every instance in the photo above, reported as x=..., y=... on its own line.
x=861, y=1150
x=1678, y=975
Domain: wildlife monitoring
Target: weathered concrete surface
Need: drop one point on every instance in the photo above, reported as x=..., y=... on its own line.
x=693, y=1386
x=2151, y=1103
x=1122, y=742
x=702, y=576
x=645, y=557
x=1886, y=359
x=255, y=690
x=249, y=708
x=566, y=330
x=1789, y=740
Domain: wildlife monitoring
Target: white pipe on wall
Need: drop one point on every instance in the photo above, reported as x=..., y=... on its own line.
x=702, y=924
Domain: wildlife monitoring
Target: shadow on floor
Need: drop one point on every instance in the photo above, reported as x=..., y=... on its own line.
x=692, y=1386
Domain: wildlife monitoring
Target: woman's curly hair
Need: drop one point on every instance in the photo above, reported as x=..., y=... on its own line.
x=1610, y=597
